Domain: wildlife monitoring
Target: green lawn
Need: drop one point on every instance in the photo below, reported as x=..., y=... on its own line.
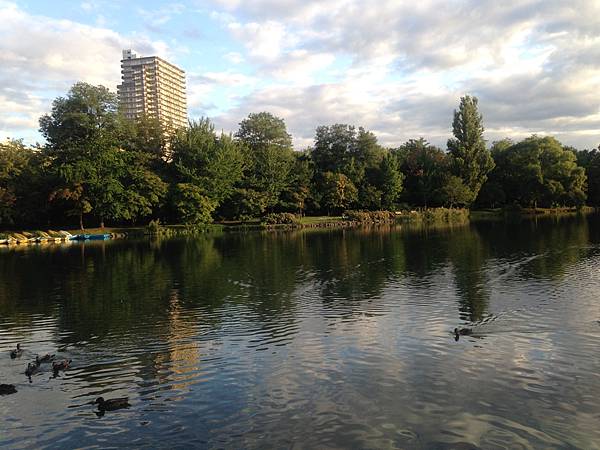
x=319, y=219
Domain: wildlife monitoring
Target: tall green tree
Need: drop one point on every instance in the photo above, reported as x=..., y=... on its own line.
x=471, y=160
x=391, y=179
x=590, y=161
x=206, y=169
x=14, y=161
x=270, y=156
x=339, y=192
x=425, y=168
x=538, y=171
x=335, y=148
x=299, y=190
x=84, y=133
x=263, y=129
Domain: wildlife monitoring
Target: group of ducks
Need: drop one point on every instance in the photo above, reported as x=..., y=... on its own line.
x=110, y=404
x=34, y=366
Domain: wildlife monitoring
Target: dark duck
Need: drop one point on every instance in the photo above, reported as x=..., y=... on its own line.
x=61, y=365
x=7, y=389
x=31, y=369
x=458, y=332
x=16, y=352
x=44, y=359
x=112, y=404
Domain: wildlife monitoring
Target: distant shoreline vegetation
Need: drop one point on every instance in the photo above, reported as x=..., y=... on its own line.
x=97, y=167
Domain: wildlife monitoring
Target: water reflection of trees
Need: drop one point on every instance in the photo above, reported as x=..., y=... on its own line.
x=101, y=288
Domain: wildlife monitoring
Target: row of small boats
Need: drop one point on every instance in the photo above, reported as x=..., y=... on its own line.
x=42, y=237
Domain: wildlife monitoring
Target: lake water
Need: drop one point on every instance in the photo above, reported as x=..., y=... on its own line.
x=310, y=339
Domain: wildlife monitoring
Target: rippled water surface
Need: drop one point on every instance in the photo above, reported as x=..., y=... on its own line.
x=312, y=339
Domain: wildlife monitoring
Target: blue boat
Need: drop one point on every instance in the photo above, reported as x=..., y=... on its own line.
x=90, y=237
x=98, y=237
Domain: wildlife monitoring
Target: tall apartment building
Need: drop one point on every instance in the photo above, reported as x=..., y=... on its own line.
x=153, y=87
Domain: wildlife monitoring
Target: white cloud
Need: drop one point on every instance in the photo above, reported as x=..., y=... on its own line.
x=398, y=68
x=234, y=57
x=42, y=57
x=534, y=64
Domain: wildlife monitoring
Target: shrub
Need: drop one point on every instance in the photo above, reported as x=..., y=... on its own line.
x=370, y=216
x=280, y=219
x=154, y=227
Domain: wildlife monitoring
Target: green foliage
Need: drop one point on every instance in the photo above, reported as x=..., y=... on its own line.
x=391, y=181
x=281, y=219
x=93, y=172
x=154, y=227
x=193, y=206
x=88, y=114
x=214, y=164
x=269, y=154
x=538, y=171
x=299, y=190
x=590, y=161
x=14, y=160
x=471, y=160
x=425, y=168
x=338, y=191
x=261, y=130
x=456, y=193
x=245, y=204
x=439, y=215
x=98, y=165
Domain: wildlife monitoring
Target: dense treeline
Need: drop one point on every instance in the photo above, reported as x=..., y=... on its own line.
x=97, y=166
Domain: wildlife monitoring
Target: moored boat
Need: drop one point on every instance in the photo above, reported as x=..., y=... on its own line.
x=91, y=237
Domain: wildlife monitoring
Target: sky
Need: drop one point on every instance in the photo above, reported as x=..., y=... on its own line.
x=395, y=67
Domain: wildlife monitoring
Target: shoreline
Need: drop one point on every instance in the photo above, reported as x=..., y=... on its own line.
x=431, y=216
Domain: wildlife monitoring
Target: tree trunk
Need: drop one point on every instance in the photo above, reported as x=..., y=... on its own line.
x=102, y=223
x=81, y=220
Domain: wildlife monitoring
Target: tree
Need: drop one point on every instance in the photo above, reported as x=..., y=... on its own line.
x=425, y=168
x=339, y=192
x=14, y=160
x=335, y=146
x=391, y=181
x=300, y=186
x=193, y=205
x=260, y=130
x=88, y=114
x=356, y=154
x=144, y=188
x=471, y=160
x=270, y=155
x=590, y=161
x=146, y=135
x=539, y=171
x=94, y=172
x=456, y=193
x=206, y=169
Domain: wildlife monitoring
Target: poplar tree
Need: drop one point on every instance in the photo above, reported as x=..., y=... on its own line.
x=471, y=161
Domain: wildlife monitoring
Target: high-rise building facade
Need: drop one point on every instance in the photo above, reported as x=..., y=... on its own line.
x=152, y=87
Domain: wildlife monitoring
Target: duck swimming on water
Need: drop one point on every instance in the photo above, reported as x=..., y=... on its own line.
x=31, y=369
x=16, y=352
x=44, y=359
x=458, y=332
x=6, y=389
x=112, y=404
x=61, y=365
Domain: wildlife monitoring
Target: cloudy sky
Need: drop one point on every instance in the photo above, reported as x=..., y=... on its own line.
x=395, y=67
